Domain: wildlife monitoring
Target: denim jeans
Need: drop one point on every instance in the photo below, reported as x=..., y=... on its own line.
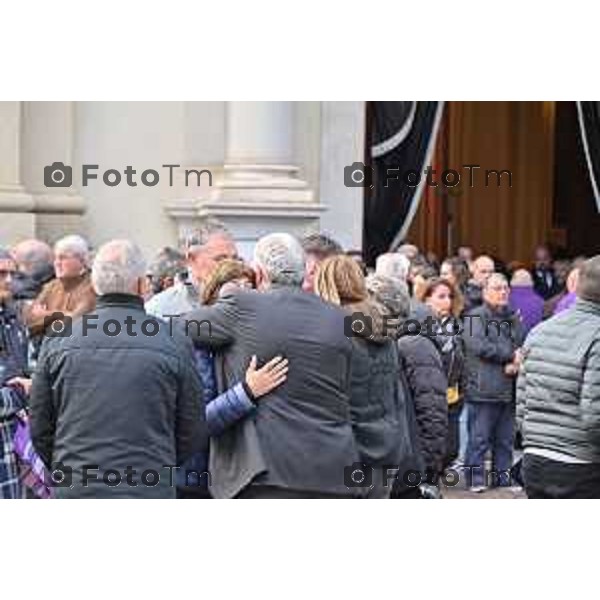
x=463, y=432
x=491, y=427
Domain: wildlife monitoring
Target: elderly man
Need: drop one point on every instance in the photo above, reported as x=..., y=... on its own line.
x=393, y=265
x=70, y=294
x=117, y=412
x=558, y=398
x=317, y=247
x=300, y=438
x=492, y=336
x=203, y=250
x=481, y=268
x=35, y=268
x=13, y=339
x=13, y=353
x=409, y=250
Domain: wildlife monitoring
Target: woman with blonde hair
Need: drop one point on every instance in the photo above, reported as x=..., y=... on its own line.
x=378, y=402
x=228, y=275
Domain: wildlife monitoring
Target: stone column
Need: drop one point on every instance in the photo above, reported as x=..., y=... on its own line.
x=48, y=137
x=258, y=189
x=259, y=154
x=16, y=218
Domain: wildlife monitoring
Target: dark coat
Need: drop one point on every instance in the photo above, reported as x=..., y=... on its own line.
x=127, y=400
x=545, y=282
x=300, y=436
x=473, y=296
x=427, y=381
x=491, y=338
x=378, y=404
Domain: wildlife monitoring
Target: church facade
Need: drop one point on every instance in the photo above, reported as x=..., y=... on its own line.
x=150, y=171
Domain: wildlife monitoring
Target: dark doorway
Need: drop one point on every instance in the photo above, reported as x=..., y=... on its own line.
x=574, y=208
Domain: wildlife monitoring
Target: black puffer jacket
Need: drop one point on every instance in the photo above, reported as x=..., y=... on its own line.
x=427, y=380
x=378, y=403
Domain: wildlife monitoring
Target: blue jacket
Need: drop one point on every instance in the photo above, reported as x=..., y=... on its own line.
x=222, y=411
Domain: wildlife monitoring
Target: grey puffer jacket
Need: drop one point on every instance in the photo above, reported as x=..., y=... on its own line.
x=558, y=389
x=491, y=338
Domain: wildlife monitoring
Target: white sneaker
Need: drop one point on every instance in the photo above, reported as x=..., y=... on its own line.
x=477, y=489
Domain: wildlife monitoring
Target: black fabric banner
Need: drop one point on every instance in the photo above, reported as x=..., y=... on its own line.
x=589, y=122
x=401, y=138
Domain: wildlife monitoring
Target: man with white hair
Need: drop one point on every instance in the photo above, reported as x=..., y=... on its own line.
x=409, y=250
x=393, y=265
x=300, y=439
x=116, y=403
x=70, y=294
x=203, y=249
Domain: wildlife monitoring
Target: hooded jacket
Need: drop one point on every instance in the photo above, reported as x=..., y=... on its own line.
x=378, y=402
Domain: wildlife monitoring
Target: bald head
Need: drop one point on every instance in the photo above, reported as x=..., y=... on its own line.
x=482, y=268
x=588, y=286
x=32, y=255
x=119, y=268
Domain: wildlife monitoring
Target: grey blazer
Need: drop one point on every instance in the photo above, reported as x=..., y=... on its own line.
x=300, y=437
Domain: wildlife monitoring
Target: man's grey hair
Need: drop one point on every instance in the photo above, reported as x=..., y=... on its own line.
x=32, y=254
x=282, y=257
x=408, y=250
x=117, y=268
x=321, y=244
x=393, y=265
x=391, y=292
x=73, y=244
x=197, y=238
x=495, y=278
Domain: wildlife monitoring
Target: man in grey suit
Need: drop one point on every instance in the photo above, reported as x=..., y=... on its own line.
x=299, y=439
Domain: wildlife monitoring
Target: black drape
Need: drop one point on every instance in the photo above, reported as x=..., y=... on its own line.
x=400, y=138
x=589, y=122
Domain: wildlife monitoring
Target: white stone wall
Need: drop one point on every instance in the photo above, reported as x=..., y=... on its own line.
x=277, y=166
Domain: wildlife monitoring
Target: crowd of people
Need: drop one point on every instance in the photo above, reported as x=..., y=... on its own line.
x=305, y=374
